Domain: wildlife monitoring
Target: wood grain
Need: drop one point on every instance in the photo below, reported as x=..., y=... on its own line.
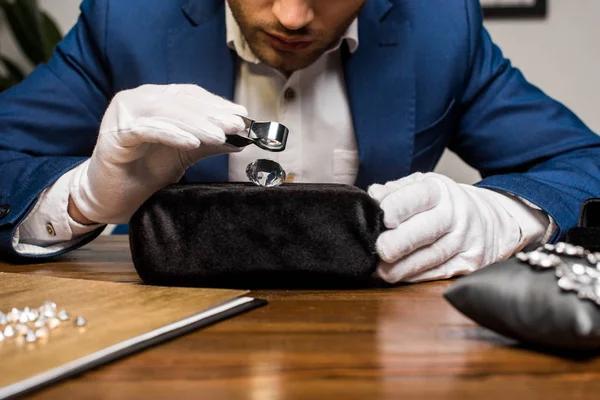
x=400, y=343
x=115, y=312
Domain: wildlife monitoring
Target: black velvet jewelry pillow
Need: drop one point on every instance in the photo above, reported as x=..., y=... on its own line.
x=549, y=297
x=238, y=235
x=520, y=302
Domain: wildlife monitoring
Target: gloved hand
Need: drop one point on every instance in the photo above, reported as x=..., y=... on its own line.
x=438, y=228
x=149, y=136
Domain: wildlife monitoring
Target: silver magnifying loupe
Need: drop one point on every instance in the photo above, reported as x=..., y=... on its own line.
x=270, y=136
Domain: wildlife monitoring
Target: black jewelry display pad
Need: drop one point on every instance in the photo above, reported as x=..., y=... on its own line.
x=238, y=235
x=526, y=304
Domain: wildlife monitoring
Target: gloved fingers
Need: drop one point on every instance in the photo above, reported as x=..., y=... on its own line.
x=412, y=199
x=421, y=261
x=202, y=96
x=190, y=157
x=157, y=130
x=230, y=123
x=421, y=230
x=193, y=112
x=380, y=192
x=198, y=126
x=455, y=266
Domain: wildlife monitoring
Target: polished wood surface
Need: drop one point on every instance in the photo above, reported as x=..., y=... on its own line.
x=115, y=313
x=397, y=343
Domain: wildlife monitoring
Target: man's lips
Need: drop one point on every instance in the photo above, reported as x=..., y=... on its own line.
x=286, y=43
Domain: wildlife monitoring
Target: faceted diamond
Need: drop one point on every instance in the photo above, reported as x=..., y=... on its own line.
x=41, y=321
x=566, y=284
x=42, y=332
x=33, y=315
x=3, y=319
x=578, y=269
x=522, y=256
x=63, y=315
x=79, y=321
x=30, y=336
x=53, y=322
x=570, y=250
x=9, y=331
x=265, y=173
x=534, y=257
x=24, y=317
x=14, y=315
x=21, y=329
x=549, y=247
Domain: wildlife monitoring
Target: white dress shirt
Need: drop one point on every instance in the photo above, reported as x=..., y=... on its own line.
x=312, y=103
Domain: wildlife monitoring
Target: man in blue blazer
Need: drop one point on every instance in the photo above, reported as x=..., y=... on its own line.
x=141, y=93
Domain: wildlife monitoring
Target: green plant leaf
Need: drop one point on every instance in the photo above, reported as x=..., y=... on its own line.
x=51, y=33
x=25, y=19
x=14, y=72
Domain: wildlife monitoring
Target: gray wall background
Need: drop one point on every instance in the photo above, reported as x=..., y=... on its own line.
x=560, y=54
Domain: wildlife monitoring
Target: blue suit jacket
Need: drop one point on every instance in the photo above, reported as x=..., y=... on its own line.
x=425, y=77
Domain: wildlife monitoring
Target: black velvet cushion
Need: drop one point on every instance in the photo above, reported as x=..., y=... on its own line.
x=526, y=304
x=242, y=235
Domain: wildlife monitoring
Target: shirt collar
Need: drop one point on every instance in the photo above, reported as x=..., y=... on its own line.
x=237, y=42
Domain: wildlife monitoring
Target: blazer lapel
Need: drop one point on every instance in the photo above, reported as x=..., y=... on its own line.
x=198, y=54
x=381, y=82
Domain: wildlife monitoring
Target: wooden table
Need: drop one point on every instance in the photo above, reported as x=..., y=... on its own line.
x=368, y=344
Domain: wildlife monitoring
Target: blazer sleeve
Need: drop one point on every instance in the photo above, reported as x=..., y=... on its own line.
x=522, y=141
x=49, y=122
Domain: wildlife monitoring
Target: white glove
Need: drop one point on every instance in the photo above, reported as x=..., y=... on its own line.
x=149, y=136
x=439, y=229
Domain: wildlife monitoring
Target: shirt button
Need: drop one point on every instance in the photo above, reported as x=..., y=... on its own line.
x=50, y=229
x=289, y=94
x=4, y=210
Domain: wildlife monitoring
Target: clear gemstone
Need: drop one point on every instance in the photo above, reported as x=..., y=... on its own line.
x=265, y=173
x=33, y=315
x=578, y=269
x=566, y=284
x=30, y=336
x=584, y=279
x=9, y=331
x=549, y=247
x=21, y=329
x=42, y=332
x=14, y=315
x=534, y=257
x=522, y=256
x=41, y=321
x=53, y=322
x=568, y=248
x=24, y=317
x=3, y=319
x=546, y=262
x=63, y=315
x=79, y=321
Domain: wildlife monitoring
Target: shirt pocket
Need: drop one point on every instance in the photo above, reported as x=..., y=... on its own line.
x=431, y=141
x=345, y=166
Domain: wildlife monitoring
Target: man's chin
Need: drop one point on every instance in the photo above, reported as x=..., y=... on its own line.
x=288, y=61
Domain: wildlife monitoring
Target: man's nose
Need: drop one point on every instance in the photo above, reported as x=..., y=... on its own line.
x=293, y=14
